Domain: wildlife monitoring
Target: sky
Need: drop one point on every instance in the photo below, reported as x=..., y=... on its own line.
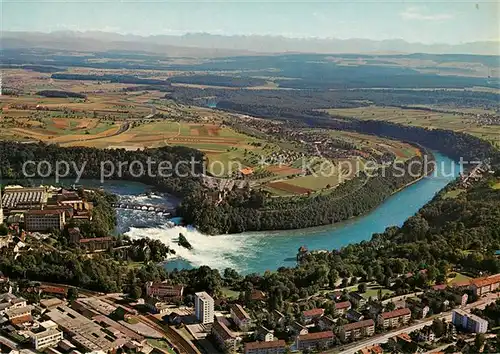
x=453, y=22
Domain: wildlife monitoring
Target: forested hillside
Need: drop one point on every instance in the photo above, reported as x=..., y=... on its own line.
x=251, y=210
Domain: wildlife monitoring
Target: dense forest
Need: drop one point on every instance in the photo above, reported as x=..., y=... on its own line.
x=61, y=94
x=218, y=80
x=124, y=79
x=309, y=99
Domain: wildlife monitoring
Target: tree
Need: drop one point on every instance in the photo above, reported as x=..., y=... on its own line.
x=362, y=288
x=3, y=230
x=438, y=327
x=390, y=306
x=479, y=341
x=72, y=294
x=135, y=292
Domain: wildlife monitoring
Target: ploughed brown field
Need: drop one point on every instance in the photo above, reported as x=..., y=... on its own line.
x=283, y=186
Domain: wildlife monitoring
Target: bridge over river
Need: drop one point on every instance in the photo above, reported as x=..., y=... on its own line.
x=158, y=209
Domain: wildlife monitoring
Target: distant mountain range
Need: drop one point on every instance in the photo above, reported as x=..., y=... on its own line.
x=209, y=45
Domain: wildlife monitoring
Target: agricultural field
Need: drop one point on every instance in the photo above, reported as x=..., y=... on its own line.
x=377, y=145
x=423, y=118
x=109, y=117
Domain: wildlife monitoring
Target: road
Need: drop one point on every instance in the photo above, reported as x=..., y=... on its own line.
x=383, y=338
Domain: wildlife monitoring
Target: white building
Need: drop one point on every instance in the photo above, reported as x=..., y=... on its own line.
x=48, y=338
x=204, y=307
x=469, y=322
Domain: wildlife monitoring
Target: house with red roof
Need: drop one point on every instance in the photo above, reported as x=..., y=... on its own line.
x=394, y=318
x=312, y=315
x=314, y=340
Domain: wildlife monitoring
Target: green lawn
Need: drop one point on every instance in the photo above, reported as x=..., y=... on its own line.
x=160, y=344
x=229, y=293
x=372, y=290
x=458, y=278
x=453, y=193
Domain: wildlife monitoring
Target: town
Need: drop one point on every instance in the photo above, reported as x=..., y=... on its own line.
x=68, y=320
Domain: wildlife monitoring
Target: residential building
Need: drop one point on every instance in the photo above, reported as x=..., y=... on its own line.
x=204, y=307
x=240, y=317
x=298, y=329
x=9, y=301
x=270, y=347
x=394, y=318
x=5, y=241
x=279, y=317
x=47, y=338
x=44, y=220
x=96, y=244
x=326, y=323
x=18, y=312
x=357, y=330
x=336, y=295
x=257, y=295
x=357, y=299
x=157, y=306
x=342, y=307
x=354, y=315
x=482, y=286
x=469, y=321
x=373, y=349
x=264, y=334
x=225, y=338
x=164, y=291
x=426, y=334
x=311, y=315
x=321, y=340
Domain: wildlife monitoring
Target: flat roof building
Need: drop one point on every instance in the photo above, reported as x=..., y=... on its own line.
x=83, y=331
x=469, y=321
x=204, y=307
x=44, y=220
x=47, y=338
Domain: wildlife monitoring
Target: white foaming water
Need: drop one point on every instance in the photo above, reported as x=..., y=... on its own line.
x=151, y=198
x=224, y=251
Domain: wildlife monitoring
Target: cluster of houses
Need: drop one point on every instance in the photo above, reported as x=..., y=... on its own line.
x=55, y=325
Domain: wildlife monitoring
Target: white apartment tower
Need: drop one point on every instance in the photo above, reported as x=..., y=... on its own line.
x=204, y=307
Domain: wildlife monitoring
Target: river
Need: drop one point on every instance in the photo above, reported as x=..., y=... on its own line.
x=260, y=251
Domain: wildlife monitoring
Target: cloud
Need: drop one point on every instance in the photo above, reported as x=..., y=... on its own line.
x=415, y=13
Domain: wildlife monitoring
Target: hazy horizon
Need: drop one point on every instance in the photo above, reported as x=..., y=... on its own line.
x=429, y=22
